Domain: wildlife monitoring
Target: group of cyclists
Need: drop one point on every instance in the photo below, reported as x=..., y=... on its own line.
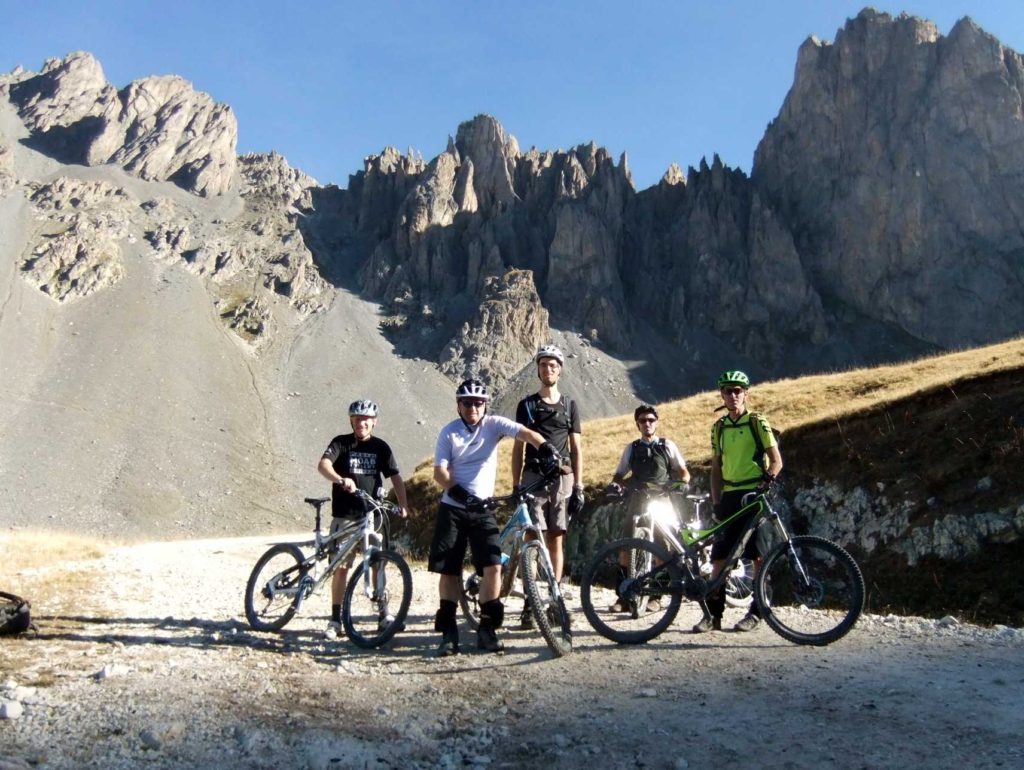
x=745, y=456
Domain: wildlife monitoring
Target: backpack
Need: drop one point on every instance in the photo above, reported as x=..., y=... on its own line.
x=755, y=432
x=563, y=407
x=15, y=617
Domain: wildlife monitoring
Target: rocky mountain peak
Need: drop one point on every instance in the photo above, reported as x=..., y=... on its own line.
x=482, y=140
x=505, y=331
x=65, y=92
x=157, y=128
x=882, y=162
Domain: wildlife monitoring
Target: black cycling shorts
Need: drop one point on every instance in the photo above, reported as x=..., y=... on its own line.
x=757, y=545
x=456, y=528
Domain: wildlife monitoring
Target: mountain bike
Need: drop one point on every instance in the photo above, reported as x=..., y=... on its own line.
x=809, y=590
x=523, y=550
x=654, y=519
x=378, y=592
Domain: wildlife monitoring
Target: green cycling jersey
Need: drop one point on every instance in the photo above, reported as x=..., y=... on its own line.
x=743, y=456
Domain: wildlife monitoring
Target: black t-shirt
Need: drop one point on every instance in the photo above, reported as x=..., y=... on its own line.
x=553, y=421
x=367, y=463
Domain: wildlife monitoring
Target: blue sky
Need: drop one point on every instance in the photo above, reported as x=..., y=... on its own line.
x=327, y=83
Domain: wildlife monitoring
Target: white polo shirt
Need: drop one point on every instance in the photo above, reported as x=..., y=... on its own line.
x=470, y=454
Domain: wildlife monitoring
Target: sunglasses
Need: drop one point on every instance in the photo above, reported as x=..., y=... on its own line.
x=732, y=391
x=648, y=419
x=477, y=402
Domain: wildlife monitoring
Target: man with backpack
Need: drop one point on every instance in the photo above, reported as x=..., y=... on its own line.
x=649, y=461
x=557, y=419
x=741, y=443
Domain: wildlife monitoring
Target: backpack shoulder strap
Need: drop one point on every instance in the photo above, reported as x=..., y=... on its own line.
x=755, y=431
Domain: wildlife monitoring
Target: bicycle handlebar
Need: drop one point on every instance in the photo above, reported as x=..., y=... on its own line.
x=523, y=490
x=380, y=505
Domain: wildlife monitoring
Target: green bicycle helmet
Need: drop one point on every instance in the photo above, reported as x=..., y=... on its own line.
x=733, y=377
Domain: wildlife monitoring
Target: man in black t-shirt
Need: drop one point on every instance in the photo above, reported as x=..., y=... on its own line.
x=556, y=418
x=356, y=460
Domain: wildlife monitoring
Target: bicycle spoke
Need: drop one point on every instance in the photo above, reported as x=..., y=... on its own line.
x=626, y=600
x=273, y=588
x=811, y=590
x=371, y=617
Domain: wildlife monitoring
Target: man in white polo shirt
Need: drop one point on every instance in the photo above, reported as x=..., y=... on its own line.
x=465, y=465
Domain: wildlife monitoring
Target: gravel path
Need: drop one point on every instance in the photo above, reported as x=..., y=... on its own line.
x=156, y=667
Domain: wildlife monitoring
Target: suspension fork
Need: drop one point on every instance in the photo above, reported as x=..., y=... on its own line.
x=794, y=557
x=373, y=578
x=539, y=543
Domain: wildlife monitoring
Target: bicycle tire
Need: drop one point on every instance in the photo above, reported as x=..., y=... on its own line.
x=603, y=579
x=640, y=561
x=739, y=588
x=363, y=616
x=272, y=613
x=548, y=608
x=816, y=611
x=469, y=599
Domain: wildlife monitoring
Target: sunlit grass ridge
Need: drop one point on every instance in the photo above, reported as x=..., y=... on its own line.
x=790, y=403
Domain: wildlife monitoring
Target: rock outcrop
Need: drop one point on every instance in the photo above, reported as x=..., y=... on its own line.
x=508, y=328
x=157, y=128
x=897, y=163
x=78, y=252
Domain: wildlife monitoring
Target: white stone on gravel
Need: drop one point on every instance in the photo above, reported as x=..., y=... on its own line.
x=11, y=709
x=112, y=670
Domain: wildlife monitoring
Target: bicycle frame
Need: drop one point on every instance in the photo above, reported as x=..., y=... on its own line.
x=521, y=531
x=368, y=534
x=689, y=543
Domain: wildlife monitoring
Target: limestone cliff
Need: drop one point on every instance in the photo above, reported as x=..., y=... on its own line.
x=157, y=128
x=897, y=163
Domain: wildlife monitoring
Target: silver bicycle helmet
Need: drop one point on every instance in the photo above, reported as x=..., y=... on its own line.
x=549, y=351
x=472, y=389
x=362, y=408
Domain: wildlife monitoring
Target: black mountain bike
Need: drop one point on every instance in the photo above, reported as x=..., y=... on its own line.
x=810, y=590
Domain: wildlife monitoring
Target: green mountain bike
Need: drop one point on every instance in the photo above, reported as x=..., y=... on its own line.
x=809, y=589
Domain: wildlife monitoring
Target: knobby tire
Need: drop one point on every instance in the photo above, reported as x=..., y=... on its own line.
x=604, y=578
x=817, y=612
x=262, y=612
x=539, y=584
x=398, y=595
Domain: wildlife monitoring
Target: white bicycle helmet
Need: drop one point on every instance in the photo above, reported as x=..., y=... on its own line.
x=549, y=351
x=472, y=389
x=362, y=408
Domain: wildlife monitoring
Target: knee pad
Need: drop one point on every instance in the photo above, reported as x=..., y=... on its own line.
x=492, y=613
x=716, y=603
x=444, y=618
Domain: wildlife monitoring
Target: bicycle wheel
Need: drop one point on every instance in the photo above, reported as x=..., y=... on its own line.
x=810, y=590
x=640, y=562
x=374, y=613
x=469, y=599
x=606, y=583
x=274, y=588
x=739, y=588
x=546, y=602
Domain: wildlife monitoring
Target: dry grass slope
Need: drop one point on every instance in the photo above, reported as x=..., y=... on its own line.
x=790, y=403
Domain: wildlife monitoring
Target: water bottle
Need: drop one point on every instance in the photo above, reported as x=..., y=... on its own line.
x=504, y=560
